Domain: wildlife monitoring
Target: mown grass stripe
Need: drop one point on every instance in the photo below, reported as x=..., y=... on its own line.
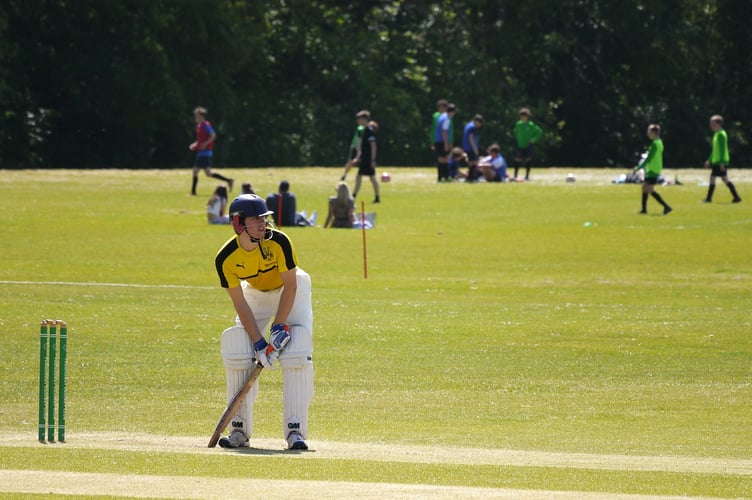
x=119, y=485
x=115, y=285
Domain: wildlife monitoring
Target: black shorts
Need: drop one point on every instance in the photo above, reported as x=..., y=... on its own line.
x=203, y=161
x=439, y=148
x=651, y=180
x=365, y=168
x=471, y=156
x=717, y=172
x=524, y=154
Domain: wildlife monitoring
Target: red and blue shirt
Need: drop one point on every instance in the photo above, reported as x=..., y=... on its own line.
x=204, y=130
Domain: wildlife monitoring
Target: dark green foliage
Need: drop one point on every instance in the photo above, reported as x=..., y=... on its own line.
x=98, y=84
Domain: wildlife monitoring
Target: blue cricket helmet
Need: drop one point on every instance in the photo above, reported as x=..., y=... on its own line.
x=247, y=205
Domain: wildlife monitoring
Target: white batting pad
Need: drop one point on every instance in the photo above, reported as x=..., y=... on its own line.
x=297, y=395
x=237, y=355
x=302, y=313
x=299, y=350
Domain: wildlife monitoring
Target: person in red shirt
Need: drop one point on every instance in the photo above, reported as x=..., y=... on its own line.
x=203, y=147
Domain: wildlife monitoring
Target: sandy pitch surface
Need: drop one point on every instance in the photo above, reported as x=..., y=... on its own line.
x=133, y=486
x=143, y=486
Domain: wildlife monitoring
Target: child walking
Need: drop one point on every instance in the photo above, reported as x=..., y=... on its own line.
x=366, y=157
x=719, y=160
x=653, y=165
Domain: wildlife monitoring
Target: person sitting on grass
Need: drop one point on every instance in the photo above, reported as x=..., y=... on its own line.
x=215, y=207
x=283, y=204
x=456, y=159
x=341, y=208
x=493, y=167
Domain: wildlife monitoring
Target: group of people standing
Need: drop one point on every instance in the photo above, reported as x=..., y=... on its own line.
x=450, y=159
x=491, y=167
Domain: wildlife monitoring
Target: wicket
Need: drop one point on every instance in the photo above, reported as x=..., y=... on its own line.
x=48, y=356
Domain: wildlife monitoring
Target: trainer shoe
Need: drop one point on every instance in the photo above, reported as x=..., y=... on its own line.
x=295, y=441
x=235, y=440
x=666, y=210
x=736, y=200
x=642, y=212
x=313, y=217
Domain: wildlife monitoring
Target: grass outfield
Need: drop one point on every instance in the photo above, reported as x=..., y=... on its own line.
x=548, y=334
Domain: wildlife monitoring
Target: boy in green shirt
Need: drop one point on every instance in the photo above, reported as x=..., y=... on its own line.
x=353, y=153
x=441, y=107
x=526, y=133
x=719, y=159
x=653, y=165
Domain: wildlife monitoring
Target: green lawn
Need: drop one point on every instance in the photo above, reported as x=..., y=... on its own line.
x=545, y=316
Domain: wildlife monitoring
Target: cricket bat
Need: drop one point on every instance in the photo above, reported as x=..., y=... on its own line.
x=234, y=403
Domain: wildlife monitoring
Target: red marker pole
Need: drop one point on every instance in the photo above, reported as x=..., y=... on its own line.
x=279, y=211
x=363, y=228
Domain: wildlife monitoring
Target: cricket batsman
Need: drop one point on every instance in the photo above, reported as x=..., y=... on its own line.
x=259, y=269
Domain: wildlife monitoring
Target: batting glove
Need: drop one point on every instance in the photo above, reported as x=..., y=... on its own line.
x=265, y=353
x=279, y=336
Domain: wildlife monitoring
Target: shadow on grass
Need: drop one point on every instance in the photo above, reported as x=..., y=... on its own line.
x=266, y=452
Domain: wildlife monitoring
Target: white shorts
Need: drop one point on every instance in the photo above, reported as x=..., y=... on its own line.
x=264, y=305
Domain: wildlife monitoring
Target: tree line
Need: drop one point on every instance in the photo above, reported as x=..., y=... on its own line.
x=94, y=83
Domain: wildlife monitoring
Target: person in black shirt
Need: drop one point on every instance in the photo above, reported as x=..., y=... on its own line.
x=366, y=157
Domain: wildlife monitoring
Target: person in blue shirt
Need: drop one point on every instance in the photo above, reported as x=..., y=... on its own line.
x=494, y=166
x=443, y=141
x=471, y=146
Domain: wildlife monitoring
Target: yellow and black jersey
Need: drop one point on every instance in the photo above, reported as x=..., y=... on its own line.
x=261, y=267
